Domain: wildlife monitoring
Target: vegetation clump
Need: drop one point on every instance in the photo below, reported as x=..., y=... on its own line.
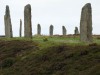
x=7, y=62
x=45, y=39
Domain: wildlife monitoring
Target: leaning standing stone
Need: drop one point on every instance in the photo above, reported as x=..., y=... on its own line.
x=51, y=30
x=8, y=25
x=27, y=22
x=86, y=24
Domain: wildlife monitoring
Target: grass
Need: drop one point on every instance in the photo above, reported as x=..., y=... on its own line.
x=57, y=56
x=70, y=39
x=64, y=39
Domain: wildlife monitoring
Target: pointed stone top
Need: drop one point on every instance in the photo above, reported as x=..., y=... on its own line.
x=38, y=24
x=7, y=10
x=87, y=5
x=28, y=6
x=76, y=27
x=7, y=7
x=62, y=26
x=51, y=25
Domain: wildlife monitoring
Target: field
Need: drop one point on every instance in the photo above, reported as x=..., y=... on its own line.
x=45, y=55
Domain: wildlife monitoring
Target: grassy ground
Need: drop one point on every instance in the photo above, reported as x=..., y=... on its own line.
x=71, y=40
x=57, y=56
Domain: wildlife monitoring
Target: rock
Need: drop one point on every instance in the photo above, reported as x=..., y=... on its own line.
x=27, y=22
x=20, y=30
x=51, y=30
x=86, y=24
x=38, y=29
x=8, y=25
x=64, y=30
x=76, y=32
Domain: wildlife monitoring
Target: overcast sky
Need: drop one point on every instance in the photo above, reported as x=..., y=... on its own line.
x=47, y=12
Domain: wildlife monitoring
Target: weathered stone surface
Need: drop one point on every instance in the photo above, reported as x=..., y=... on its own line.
x=38, y=29
x=8, y=25
x=63, y=30
x=86, y=24
x=76, y=32
x=51, y=30
x=27, y=22
x=20, y=30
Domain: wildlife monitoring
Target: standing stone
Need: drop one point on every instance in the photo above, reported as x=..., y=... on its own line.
x=7, y=22
x=27, y=22
x=51, y=30
x=20, y=30
x=63, y=30
x=86, y=24
x=38, y=29
x=76, y=32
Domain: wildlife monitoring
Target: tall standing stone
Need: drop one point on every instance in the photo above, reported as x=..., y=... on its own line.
x=20, y=30
x=76, y=32
x=7, y=22
x=51, y=30
x=38, y=29
x=63, y=30
x=27, y=22
x=86, y=24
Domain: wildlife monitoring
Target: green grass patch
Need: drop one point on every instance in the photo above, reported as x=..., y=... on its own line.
x=57, y=56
